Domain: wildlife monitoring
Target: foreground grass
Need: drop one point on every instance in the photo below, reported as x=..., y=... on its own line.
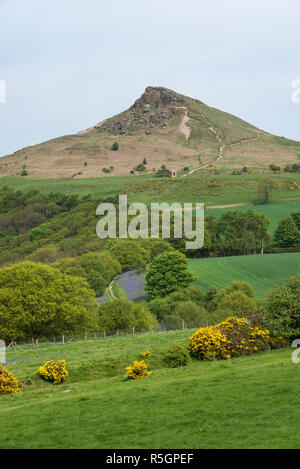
x=263, y=272
x=248, y=402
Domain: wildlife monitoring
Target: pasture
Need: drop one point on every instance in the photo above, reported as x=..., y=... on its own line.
x=217, y=191
x=264, y=272
x=246, y=402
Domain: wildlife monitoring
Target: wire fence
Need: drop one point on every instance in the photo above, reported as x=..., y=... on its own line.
x=33, y=351
x=63, y=340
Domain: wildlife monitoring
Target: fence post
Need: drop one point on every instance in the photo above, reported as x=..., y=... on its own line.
x=133, y=330
x=85, y=336
x=63, y=340
x=37, y=344
x=182, y=326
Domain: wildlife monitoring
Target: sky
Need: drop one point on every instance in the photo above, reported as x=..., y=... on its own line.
x=68, y=64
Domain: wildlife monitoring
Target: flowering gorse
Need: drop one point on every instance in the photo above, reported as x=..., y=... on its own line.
x=231, y=338
x=138, y=370
x=54, y=371
x=8, y=383
x=146, y=355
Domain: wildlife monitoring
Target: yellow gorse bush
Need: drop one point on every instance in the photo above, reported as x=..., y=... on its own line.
x=231, y=338
x=54, y=371
x=8, y=383
x=138, y=370
x=146, y=355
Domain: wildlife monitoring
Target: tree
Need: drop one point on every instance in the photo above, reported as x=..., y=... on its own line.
x=266, y=186
x=274, y=168
x=97, y=268
x=282, y=309
x=140, y=167
x=37, y=300
x=296, y=218
x=123, y=315
x=287, y=233
x=163, y=172
x=155, y=246
x=236, y=303
x=190, y=313
x=46, y=254
x=167, y=272
x=243, y=232
x=241, y=286
x=130, y=254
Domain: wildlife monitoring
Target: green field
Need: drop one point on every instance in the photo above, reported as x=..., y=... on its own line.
x=96, y=187
x=211, y=189
x=275, y=211
x=247, y=402
x=263, y=272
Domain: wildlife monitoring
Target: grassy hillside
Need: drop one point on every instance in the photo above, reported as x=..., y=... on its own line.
x=244, y=402
x=212, y=188
x=217, y=191
x=165, y=128
x=263, y=272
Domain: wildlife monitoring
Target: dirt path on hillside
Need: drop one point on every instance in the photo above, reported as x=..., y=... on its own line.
x=183, y=127
x=223, y=145
x=110, y=292
x=249, y=204
x=229, y=206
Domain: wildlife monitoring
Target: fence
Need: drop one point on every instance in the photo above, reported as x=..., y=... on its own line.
x=40, y=343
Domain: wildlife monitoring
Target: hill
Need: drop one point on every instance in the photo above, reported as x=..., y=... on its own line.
x=162, y=127
x=219, y=404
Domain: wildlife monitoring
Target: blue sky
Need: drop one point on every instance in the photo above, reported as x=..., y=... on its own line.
x=69, y=64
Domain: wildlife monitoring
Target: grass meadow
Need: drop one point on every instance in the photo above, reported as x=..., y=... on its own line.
x=245, y=402
x=264, y=272
x=214, y=190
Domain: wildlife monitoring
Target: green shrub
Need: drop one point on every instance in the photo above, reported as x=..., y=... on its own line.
x=176, y=355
